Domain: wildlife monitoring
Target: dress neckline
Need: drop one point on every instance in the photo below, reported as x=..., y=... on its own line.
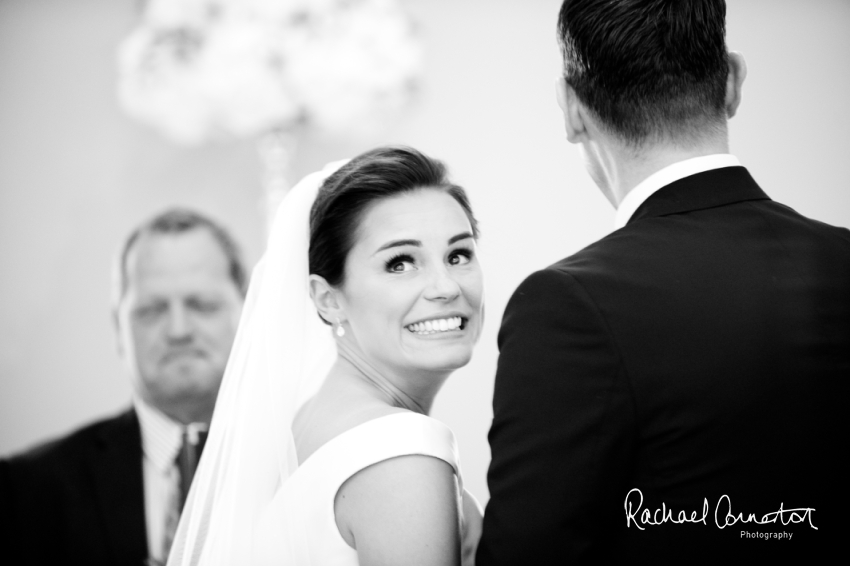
x=349, y=432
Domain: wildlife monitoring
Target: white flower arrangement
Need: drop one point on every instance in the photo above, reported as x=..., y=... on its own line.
x=202, y=70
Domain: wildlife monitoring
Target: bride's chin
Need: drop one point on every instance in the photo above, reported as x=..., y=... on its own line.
x=449, y=362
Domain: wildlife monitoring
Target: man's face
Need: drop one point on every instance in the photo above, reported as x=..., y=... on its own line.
x=177, y=320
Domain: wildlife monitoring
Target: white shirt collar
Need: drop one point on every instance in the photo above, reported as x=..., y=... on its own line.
x=162, y=436
x=663, y=177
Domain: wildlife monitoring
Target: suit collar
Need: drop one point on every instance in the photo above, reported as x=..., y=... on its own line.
x=663, y=177
x=709, y=189
x=116, y=466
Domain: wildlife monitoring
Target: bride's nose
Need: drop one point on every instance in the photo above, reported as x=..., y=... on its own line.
x=442, y=286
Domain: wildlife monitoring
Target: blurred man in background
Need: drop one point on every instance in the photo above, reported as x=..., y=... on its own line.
x=112, y=492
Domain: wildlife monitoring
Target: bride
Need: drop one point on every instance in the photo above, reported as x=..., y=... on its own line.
x=321, y=451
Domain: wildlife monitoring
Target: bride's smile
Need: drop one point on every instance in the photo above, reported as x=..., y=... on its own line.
x=438, y=325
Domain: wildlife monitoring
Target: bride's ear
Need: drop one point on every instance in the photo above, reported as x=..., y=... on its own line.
x=326, y=299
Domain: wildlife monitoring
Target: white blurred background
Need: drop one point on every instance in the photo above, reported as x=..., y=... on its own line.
x=76, y=175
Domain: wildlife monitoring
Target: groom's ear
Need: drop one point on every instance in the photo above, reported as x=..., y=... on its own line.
x=734, y=82
x=574, y=118
x=326, y=299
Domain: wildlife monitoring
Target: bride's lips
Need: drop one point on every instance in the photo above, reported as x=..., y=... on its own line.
x=442, y=324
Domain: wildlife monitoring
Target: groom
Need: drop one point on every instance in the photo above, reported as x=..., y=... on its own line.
x=673, y=393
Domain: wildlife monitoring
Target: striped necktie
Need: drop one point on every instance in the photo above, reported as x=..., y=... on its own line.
x=186, y=462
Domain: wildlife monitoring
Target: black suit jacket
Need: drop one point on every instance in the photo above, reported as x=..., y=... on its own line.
x=77, y=500
x=701, y=351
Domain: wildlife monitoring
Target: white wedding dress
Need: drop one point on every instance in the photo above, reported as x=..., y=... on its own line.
x=302, y=511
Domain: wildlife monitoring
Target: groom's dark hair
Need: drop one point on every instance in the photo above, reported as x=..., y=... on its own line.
x=647, y=69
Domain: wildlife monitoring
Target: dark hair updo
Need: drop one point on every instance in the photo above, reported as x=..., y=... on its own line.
x=368, y=178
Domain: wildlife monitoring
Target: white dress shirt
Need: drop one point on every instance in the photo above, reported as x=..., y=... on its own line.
x=161, y=442
x=663, y=177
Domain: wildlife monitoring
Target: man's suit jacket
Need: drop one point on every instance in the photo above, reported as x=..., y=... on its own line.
x=701, y=351
x=77, y=500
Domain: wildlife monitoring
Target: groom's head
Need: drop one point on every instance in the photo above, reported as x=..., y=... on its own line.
x=647, y=70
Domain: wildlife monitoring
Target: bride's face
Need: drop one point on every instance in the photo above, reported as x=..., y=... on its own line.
x=413, y=291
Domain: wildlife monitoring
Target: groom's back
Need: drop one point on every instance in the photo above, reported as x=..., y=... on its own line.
x=661, y=386
x=667, y=393
x=732, y=324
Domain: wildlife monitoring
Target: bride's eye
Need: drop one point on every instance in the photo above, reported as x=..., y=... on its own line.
x=460, y=256
x=400, y=264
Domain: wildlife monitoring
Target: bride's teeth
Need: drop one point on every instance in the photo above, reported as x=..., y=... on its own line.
x=439, y=325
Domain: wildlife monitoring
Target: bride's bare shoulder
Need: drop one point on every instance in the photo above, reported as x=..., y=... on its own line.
x=403, y=510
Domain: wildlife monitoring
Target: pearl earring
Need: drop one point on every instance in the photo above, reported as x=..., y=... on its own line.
x=340, y=331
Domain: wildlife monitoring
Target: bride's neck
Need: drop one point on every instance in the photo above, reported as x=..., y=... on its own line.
x=399, y=392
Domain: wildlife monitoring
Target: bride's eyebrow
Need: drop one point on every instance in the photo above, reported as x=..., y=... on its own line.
x=418, y=243
x=397, y=243
x=459, y=237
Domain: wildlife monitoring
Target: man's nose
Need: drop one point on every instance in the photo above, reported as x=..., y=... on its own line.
x=179, y=326
x=442, y=286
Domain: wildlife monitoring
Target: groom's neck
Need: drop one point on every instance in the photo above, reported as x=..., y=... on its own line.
x=624, y=166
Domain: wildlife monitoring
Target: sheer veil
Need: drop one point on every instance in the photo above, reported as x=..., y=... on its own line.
x=280, y=355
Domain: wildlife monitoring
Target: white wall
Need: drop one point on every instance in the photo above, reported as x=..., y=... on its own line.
x=76, y=175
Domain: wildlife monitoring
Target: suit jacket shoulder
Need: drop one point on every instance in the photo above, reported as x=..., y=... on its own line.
x=75, y=445
x=82, y=492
